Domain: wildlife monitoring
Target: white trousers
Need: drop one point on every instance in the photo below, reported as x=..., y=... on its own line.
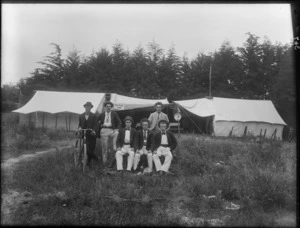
x=126, y=149
x=105, y=133
x=162, y=151
x=137, y=158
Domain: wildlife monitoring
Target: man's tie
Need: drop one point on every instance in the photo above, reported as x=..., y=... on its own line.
x=107, y=119
x=144, y=136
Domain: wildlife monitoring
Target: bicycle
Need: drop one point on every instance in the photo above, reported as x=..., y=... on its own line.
x=80, y=152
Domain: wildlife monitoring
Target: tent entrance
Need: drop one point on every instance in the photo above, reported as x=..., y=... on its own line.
x=190, y=122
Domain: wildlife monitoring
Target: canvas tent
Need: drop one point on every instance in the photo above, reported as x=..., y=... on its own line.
x=237, y=117
x=57, y=110
x=60, y=110
x=131, y=106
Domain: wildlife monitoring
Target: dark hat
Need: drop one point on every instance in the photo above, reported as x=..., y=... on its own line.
x=163, y=121
x=144, y=120
x=108, y=102
x=128, y=118
x=88, y=103
x=158, y=103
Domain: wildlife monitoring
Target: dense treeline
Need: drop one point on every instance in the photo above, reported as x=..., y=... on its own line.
x=257, y=70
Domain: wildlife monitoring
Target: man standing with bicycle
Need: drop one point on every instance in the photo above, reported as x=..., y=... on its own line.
x=89, y=120
x=110, y=124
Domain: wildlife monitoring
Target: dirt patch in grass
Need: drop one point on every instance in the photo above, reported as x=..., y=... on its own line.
x=238, y=172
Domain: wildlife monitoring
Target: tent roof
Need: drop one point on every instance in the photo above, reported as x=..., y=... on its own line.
x=201, y=107
x=227, y=109
x=125, y=103
x=55, y=102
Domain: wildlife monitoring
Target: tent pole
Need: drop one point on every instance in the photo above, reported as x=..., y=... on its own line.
x=55, y=121
x=66, y=120
x=69, y=121
x=36, y=119
x=43, y=120
x=210, y=80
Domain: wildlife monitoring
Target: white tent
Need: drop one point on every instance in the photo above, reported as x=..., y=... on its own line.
x=238, y=116
x=126, y=103
x=60, y=110
x=57, y=110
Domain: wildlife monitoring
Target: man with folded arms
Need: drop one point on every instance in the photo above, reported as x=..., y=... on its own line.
x=125, y=144
x=110, y=124
x=143, y=155
x=155, y=117
x=164, y=143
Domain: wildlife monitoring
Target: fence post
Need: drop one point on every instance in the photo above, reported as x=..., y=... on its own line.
x=245, y=131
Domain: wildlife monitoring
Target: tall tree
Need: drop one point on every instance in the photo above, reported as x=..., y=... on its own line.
x=253, y=82
x=284, y=91
x=53, y=70
x=72, y=69
x=155, y=54
x=169, y=73
x=227, y=72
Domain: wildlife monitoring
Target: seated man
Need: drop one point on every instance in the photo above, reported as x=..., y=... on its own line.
x=143, y=155
x=125, y=144
x=109, y=125
x=164, y=143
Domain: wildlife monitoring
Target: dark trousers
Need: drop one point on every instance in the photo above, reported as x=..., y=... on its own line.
x=91, y=144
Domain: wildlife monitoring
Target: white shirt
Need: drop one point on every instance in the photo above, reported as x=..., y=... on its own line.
x=145, y=133
x=127, y=136
x=107, y=119
x=164, y=139
x=86, y=116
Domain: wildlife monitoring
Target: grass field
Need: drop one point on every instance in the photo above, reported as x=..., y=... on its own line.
x=258, y=176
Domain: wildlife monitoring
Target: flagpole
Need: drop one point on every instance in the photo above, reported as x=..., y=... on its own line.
x=210, y=80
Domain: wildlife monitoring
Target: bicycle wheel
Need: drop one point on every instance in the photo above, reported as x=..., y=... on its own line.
x=84, y=159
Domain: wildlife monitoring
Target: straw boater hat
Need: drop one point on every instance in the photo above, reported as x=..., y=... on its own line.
x=108, y=102
x=128, y=118
x=88, y=103
x=163, y=121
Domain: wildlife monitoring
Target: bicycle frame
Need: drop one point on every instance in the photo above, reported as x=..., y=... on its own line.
x=82, y=156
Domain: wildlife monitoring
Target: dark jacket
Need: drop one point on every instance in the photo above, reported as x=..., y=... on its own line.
x=157, y=141
x=91, y=122
x=121, y=137
x=115, y=121
x=139, y=140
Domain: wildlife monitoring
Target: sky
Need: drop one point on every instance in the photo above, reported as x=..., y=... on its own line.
x=28, y=29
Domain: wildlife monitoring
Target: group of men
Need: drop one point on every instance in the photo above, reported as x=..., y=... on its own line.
x=143, y=147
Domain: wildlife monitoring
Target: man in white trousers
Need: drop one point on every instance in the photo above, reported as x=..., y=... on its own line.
x=125, y=144
x=143, y=154
x=164, y=143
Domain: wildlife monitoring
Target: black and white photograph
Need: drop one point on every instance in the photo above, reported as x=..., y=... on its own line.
x=149, y=114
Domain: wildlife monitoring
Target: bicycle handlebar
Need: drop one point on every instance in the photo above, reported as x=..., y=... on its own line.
x=86, y=129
